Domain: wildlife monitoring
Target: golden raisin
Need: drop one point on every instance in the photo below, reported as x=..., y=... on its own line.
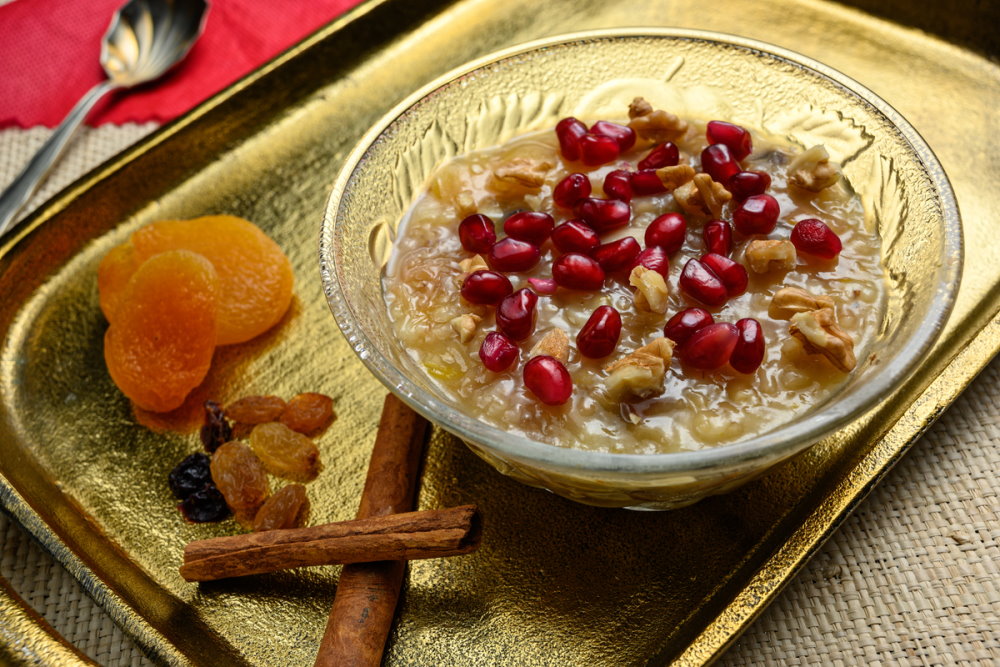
x=241, y=478
x=287, y=508
x=285, y=453
x=255, y=409
x=160, y=344
x=309, y=414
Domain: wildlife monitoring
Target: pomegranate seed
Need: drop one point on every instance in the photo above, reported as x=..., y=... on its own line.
x=513, y=255
x=748, y=183
x=664, y=155
x=596, y=149
x=576, y=271
x=516, y=314
x=700, y=283
x=686, y=323
x=599, y=336
x=543, y=285
x=497, y=352
x=710, y=347
x=813, y=237
x=732, y=274
x=616, y=185
x=548, y=380
x=667, y=232
x=486, y=287
x=646, y=182
x=570, y=131
x=570, y=190
x=748, y=353
x=756, y=215
x=717, y=162
x=718, y=236
x=533, y=227
x=654, y=259
x=623, y=135
x=603, y=215
x=575, y=236
x=477, y=233
x=734, y=137
x=617, y=255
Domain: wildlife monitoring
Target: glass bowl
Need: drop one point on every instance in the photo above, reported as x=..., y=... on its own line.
x=694, y=74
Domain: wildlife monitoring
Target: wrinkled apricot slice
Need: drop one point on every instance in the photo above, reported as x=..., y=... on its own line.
x=255, y=276
x=159, y=345
x=113, y=275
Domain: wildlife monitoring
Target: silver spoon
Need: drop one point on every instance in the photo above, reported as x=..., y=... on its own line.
x=144, y=40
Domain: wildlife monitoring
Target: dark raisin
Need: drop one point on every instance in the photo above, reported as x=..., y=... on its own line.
x=190, y=475
x=204, y=506
x=216, y=430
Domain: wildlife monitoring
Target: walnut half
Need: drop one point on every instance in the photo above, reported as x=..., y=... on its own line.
x=812, y=170
x=655, y=126
x=702, y=196
x=765, y=256
x=465, y=326
x=640, y=373
x=819, y=333
x=789, y=301
x=553, y=344
x=650, y=290
x=676, y=176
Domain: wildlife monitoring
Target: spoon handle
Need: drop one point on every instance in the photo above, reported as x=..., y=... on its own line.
x=17, y=194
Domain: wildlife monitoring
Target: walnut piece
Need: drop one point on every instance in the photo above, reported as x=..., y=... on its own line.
x=521, y=175
x=465, y=204
x=676, y=176
x=553, y=344
x=650, y=290
x=765, y=256
x=471, y=265
x=702, y=196
x=818, y=332
x=640, y=373
x=812, y=170
x=789, y=301
x=639, y=107
x=654, y=126
x=465, y=326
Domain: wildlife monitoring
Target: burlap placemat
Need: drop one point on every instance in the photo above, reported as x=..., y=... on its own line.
x=912, y=578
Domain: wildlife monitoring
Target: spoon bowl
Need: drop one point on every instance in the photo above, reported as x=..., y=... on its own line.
x=145, y=39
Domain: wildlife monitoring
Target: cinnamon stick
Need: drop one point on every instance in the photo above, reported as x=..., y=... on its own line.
x=409, y=536
x=367, y=593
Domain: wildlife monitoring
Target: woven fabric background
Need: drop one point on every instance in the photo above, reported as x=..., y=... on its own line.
x=912, y=578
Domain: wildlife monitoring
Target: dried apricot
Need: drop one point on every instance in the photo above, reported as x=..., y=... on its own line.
x=241, y=478
x=113, y=275
x=285, y=453
x=308, y=414
x=255, y=276
x=287, y=508
x=255, y=409
x=160, y=344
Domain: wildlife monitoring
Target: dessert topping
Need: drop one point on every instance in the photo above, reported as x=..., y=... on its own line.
x=769, y=255
x=640, y=373
x=788, y=301
x=819, y=333
x=812, y=170
x=650, y=290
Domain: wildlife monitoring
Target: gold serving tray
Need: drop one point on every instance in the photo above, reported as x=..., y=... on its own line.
x=555, y=582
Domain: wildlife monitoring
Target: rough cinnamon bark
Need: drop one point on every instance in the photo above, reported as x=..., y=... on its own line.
x=409, y=536
x=367, y=593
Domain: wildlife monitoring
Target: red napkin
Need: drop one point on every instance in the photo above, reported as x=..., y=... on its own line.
x=49, y=56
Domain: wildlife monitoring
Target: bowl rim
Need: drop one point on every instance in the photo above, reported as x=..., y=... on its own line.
x=776, y=444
